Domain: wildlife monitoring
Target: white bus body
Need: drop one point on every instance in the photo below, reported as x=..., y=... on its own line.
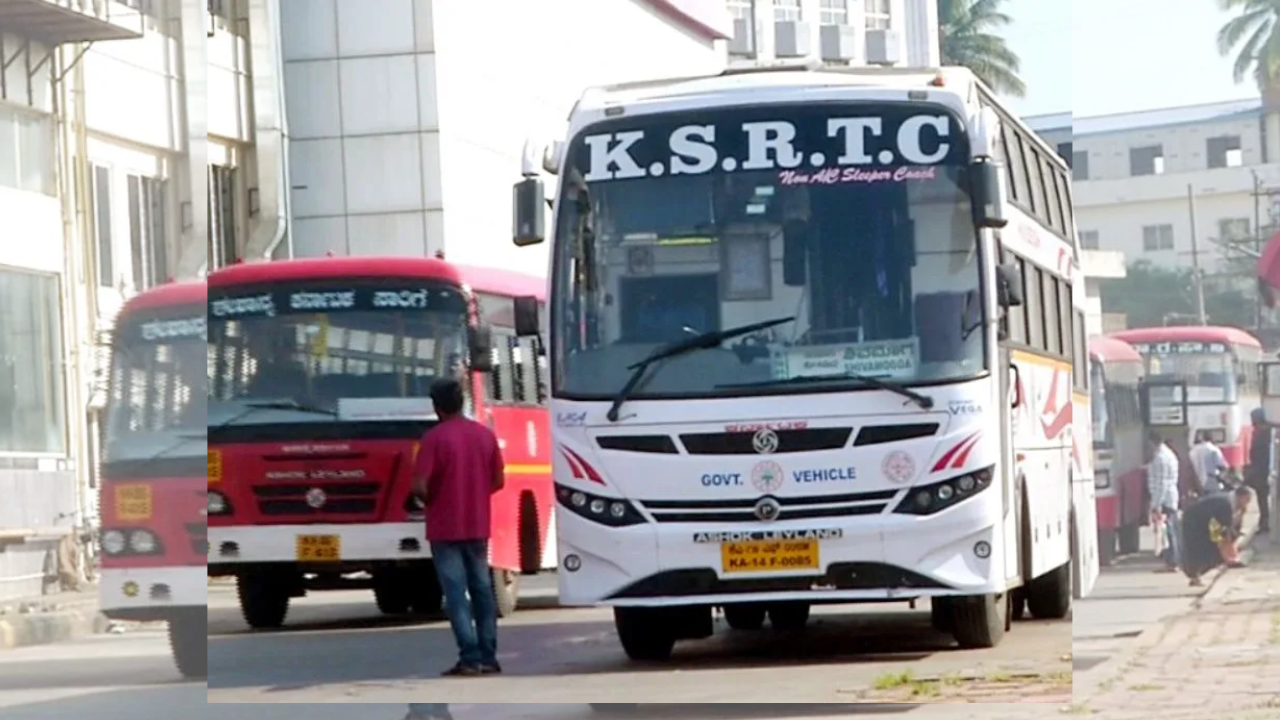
x=757, y=474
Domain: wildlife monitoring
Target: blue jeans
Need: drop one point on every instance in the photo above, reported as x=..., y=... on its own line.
x=463, y=568
x=429, y=710
x=1173, y=536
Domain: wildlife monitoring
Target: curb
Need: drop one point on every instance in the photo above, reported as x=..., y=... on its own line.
x=1093, y=678
x=18, y=631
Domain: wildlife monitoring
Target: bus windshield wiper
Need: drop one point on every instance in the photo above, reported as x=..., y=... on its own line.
x=924, y=401
x=697, y=342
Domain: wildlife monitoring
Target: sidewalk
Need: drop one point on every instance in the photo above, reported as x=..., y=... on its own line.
x=50, y=619
x=1221, y=658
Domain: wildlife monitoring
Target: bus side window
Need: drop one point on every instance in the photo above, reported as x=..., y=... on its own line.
x=527, y=380
x=1018, y=315
x=1035, y=307
x=500, y=383
x=1053, y=327
x=1079, y=347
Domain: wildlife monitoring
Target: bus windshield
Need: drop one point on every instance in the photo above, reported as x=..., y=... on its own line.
x=158, y=386
x=1208, y=369
x=1098, y=406
x=326, y=348
x=851, y=223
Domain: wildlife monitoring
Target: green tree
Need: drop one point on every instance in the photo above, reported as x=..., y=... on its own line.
x=1151, y=296
x=965, y=30
x=1253, y=35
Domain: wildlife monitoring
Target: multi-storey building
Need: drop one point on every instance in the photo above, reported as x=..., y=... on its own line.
x=403, y=121
x=100, y=167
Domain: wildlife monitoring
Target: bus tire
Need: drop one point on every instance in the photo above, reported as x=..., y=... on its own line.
x=189, y=641
x=506, y=591
x=789, y=616
x=614, y=708
x=1130, y=539
x=745, y=616
x=942, y=614
x=644, y=634
x=1049, y=596
x=264, y=600
x=530, y=535
x=980, y=620
x=391, y=591
x=1018, y=603
x=423, y=589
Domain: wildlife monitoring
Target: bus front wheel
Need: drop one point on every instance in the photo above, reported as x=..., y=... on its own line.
x=264, y=600
x=980, y=620
x=189, y=641
x=644, y=634
x=1049, y=596
x=745, y=616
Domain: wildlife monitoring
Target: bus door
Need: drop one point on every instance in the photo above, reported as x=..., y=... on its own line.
x=1165, y=412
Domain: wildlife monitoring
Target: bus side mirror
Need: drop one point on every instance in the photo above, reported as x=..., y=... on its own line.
x=480, y=343
x=1009, y=286
x=990, y=209
x=528, y=313
x=529, y=212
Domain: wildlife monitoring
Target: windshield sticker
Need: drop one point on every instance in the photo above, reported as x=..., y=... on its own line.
x=839, y=176
x=338, y=300
x=404, y=299
x=840, y=142
x=892, y=359
x=264, y=305
x=175, y=329
x=1180, y=348
x=322, y=300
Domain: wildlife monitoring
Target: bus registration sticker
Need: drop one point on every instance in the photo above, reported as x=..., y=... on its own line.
x=133, y=503
x=319, y=548
x=769, y=556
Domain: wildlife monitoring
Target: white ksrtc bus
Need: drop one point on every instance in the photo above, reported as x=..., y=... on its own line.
x=812, y=337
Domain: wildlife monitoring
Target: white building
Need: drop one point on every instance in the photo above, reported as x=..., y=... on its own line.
x=1097, y=264
x=100, y=165
x=1134, y=173
x=406, y=118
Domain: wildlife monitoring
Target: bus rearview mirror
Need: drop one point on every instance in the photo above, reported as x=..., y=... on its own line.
x=481, y=348
x=528, y=313
x=1009, y=285
x=990, y=210
x=529, y=212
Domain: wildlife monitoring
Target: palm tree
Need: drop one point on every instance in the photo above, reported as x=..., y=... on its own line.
x=964, y=29
x=1256, y=24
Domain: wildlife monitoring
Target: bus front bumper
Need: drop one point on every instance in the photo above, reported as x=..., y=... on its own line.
x=153, y=593
x=345, y=547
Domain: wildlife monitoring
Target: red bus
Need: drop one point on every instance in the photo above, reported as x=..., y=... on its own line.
x=512, y=399
x=1119, y=445
x=1220, y=368
x=152, y=500
x=320, y=373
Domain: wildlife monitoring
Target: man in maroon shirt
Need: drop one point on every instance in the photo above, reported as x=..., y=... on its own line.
x=459, y=466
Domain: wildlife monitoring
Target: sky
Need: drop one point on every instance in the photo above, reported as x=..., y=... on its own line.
x=1098, y=57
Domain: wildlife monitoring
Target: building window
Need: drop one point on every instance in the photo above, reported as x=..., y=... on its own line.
x=834, y=12
x=32, y=410
x=26, y=151
x=742, y=10
x=147, y=231
x=1157, y=237
x=786, y=10
x=879, y=14
x=1064, y=152
x=1079, y=165
x=222, y=216
x=1148, y=160
x=1231, y=229
x=1089, y=240
x=1224, y=151
x=104, y=239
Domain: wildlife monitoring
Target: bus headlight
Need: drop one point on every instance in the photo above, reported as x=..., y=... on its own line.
x=1101, y=479
x=613, y=512
x=143, y=542
x=217, y=504
x=930, y=499
x=113, y=542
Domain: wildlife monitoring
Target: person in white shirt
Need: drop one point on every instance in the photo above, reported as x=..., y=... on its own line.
x=1162, y=484
x=1208, y=461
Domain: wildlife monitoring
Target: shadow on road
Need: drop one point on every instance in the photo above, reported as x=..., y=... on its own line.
x=764, y=711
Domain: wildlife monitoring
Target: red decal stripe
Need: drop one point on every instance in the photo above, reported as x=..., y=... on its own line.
x=946, y=458
x=592, y=475
x=573, y=464
x=963, y=457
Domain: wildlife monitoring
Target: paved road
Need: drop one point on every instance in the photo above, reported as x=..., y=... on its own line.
x=578, y=711
x=109, y=677
x=337, y=649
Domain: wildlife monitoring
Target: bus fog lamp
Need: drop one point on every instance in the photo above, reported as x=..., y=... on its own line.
x=130, y=589
x=945, y=493
x=598, y=506
x=572, y=563
x=967, y=483
x=142, y=541
x=578, y=499
x=982, y=549
x=617, y=510
x=113, y=542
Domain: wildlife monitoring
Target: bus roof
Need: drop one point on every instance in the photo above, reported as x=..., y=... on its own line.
x=326, y=268
x=1188, y=333
x=186, y=292
x=506, y=283
x=1111, y=350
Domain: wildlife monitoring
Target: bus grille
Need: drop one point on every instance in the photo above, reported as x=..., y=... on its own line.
x=352, y=498
x=789, y=441
x=798, y=508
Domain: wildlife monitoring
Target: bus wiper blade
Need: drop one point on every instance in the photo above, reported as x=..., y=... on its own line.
x=697, y=342
x=290, y=405
x=924, y=401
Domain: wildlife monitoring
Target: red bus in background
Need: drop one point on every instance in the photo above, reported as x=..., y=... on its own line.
x=320, y=373
x=512, y=399
x=1119, y=445
x=1220, y=367
x=152, y=494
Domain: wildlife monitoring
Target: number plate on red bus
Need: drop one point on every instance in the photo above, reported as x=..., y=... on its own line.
x=133, y=503
x=319, y=548
x=769, y=556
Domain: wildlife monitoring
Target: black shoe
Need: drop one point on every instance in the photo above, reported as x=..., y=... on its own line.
x=462, y=670
x=492, y=668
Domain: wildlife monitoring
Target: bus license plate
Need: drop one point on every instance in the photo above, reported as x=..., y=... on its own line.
x=769, y=556
x=133, y=503
x=319, y=548
x=215, y=466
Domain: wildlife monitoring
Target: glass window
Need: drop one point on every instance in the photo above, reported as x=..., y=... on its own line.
x=35, y=153
x=1052, y=316
x=32, y=410
x=1018, y=315
x=1052, y=199
x=8, y=148
x=784, y=10
x=1035, y=308
x=1036, y=179
x=1017, y=168
x=834, y=12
